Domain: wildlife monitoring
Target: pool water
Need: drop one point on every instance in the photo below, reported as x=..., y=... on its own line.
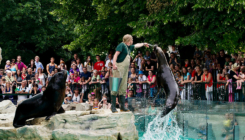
x=195, y=120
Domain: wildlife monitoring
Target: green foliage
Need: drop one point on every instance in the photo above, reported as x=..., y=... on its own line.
x=216, y=24
x=100, y=24
x=91, y=27
x=28, y=28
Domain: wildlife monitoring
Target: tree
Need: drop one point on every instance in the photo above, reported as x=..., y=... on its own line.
x=28, y=29
x=100, y=24
x=216, y=24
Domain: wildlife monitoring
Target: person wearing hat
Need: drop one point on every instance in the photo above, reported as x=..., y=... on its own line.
x=121, y=62
x=68, y=99
x=142, y=79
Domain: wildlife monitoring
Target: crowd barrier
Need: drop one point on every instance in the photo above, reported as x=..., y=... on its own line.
x=102, y=89
x=217, y=91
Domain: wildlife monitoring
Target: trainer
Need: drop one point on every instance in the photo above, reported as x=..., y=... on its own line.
x=121, y=62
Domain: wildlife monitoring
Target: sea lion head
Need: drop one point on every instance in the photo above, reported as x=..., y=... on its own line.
x=157, y=50
x=58, y=81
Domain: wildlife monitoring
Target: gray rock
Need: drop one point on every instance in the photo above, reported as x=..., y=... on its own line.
x=83, y=107
x=7, y=107
x=102, y=124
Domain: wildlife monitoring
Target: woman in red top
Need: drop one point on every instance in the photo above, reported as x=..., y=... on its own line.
x=187, y=63
x=151, y=80
x=207, y=78
x=221, y=78
x=23, y=75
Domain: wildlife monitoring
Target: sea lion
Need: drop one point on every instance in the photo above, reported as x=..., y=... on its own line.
x=165, y=80
x=44, y=104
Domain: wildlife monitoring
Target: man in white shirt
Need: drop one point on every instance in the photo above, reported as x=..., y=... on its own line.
x=138, y=60
x=22, y=90
x=109, y=60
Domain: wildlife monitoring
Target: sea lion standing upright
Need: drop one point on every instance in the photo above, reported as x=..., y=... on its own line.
x=165, y=79
x=44, y=104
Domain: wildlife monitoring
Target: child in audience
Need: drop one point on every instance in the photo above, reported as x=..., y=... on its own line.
x=138, y=89
x=105, y=104
x=96, y=104
x=84, y=87
x=74, y=68
x=242, y=76
x=103, y=82
x=92, y=96
x=229, y=85
x=7, y=66
x=130, y=93
x=71, y=79
x=68, y=90
x=68, y=99
x=130, y=84
x=89, y=100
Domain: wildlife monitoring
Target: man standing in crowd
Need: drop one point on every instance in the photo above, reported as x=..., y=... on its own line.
x=147, y=55
x=38, y=64
x=149, y=66
x=20, y=64
x=51, y=66
x=138, y=60
x=173, y=59
x=29, y=74
x=221, y=59
x=75, y=57
x=99, y=64
x=235, y=57
x=197, y=53
x=23, y=89
x=109, y=60
x=86, y=75
x=121, y=62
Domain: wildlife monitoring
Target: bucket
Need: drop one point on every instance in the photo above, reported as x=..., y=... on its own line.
x=114, y=83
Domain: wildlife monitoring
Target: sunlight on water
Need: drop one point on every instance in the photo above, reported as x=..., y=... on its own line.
x=165, y=128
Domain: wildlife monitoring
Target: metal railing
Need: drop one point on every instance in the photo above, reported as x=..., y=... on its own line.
x=217, y=90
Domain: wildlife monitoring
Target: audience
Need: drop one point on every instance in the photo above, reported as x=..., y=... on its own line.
x=227, y=70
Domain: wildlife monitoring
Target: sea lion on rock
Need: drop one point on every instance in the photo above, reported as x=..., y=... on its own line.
x=165, y=80
x=44, y=104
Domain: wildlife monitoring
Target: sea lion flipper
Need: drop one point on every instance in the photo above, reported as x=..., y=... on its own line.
x=48, y=117
x=61, y=110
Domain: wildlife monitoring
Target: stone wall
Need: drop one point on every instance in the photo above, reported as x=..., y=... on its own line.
x=72, y=125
